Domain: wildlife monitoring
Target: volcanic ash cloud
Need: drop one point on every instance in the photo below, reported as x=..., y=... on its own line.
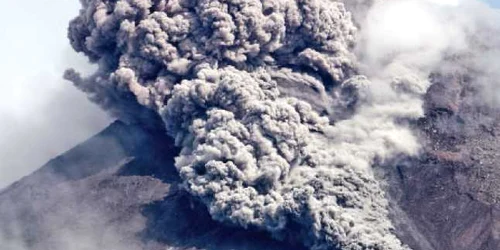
x=277, y=131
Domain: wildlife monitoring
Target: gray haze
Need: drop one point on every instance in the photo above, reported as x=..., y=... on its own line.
x=41, y=115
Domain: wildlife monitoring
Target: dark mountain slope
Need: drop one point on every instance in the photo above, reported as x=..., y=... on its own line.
x=451, y=193
x=117, y=190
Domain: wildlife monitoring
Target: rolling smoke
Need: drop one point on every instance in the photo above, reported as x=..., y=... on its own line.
x=281, y=108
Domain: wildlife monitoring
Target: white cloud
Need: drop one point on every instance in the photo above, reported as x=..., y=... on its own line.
x=414, y=32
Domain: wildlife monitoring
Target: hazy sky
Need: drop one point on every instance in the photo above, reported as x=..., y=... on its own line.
x=41, y=115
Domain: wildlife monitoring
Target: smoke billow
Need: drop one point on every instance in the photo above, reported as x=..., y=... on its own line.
x=277, y=127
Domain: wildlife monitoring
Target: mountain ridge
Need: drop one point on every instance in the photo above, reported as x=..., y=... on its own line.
x=132, y=192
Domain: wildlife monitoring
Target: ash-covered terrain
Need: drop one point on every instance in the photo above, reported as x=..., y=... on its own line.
x=449, y=195
x=276, y=124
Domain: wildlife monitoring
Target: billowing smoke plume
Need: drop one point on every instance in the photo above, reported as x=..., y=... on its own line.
x=278, y=130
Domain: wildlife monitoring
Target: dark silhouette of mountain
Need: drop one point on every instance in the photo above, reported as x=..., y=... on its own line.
x=118, y=190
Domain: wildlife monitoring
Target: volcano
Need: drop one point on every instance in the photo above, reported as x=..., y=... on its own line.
x=275, y=124
x=119, y=190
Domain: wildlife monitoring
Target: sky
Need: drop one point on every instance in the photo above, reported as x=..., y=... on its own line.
x=494, y=3
x=41, y=115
